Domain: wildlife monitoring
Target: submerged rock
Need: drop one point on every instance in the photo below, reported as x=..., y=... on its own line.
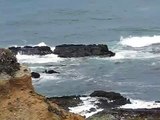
x=29, y=50
x=35, y=75
x=50, y=71
x=71, y=50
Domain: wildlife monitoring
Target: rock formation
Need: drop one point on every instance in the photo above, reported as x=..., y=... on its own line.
x=19, y=101
x=82, y=50
x=35, y=75
x=66, y=50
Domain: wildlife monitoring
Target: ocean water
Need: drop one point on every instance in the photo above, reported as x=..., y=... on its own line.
x=130, y=28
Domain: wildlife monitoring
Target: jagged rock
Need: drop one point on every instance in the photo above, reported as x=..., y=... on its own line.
x=109, y=95
x=71, y=50
x=8, y=62
x=112, y=99
x=35, y=75
x=29, y=50
x=66, y=101
x=50, y=71
x=127, y=114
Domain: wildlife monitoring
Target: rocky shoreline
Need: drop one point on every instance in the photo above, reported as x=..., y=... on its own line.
x=109, y=103
x=66, y=50
x=18, y=100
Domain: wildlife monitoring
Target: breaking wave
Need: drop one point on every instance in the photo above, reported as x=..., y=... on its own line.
x=139, y=41
x=137, y=47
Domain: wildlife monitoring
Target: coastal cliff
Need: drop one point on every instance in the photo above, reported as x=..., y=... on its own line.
x=18, y=100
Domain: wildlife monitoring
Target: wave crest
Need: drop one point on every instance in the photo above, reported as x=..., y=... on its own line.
x=139, y=41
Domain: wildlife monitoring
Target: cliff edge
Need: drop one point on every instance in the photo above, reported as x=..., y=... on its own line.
x=18, y=100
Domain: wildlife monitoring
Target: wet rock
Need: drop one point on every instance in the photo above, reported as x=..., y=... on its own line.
x=66, y=101
x=71, y=50
x=35, y=75
x=109, y=99
x=8, y=62
x=127, y=114
x=50, y=71
x=109, y=95
x=29, y=50
x=157, y=101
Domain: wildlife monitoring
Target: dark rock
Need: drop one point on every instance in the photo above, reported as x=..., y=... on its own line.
x=8, y=62
x=110, y=99
x=35, y=75
x=92, y=110
x=127, y=114
x=71, y=50
x=109, y=95
x=66, y=101
x=29, y=50
x=50, y=71
x=157, y=101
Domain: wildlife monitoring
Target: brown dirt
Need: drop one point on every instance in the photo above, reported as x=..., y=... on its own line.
x=18, y=101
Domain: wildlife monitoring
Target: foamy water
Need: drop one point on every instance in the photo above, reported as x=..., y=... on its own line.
x=38, y=59
x=128, y=48
x=140, y=41
x=84, y=108
x=140, y=104
x=90, y=102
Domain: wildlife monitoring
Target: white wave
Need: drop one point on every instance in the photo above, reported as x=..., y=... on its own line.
x=38, y=59
x=140, y=41
x=84, y=108
x=139, y=104
x=52, y=48
x=41, y=44
x=131, y=54
x=140, y=48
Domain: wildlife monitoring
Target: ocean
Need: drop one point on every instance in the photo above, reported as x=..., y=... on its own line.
x=130, y=28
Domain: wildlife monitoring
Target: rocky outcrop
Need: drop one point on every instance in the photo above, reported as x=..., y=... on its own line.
x=19, y=101
x=35, y=75
x=29, y=50
x=127, y=114
x=82, y=50
x=112, y=99
x=104, y=100
x=66, y=101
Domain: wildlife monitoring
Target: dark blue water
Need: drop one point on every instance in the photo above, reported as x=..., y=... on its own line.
x=134, y=72
x=73, y=21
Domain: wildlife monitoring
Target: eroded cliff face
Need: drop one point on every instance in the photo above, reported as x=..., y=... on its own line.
x=19, y=101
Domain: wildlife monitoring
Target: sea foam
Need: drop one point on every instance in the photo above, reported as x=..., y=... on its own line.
x=140, y=104
x=134, y=47
x=32, y=59
x=140, y=41
x=84, y=108
x=38, y=59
